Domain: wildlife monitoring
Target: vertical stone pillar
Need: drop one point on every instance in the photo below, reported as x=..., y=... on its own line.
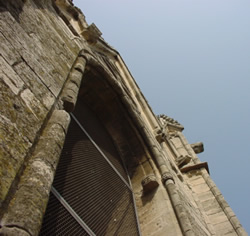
x=72, y=86
x=28, y=203
x=186, y=227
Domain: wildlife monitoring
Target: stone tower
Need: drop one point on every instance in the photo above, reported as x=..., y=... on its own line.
x=81, y=151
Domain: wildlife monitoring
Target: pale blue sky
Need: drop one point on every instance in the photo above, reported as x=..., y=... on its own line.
x=191, y=59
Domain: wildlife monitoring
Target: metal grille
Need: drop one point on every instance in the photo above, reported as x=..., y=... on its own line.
x=90, y=185
x=99, y=134
x=58, y=221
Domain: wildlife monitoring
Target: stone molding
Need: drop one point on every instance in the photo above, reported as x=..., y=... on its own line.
x=71, y=88
x=167, y=176
x=73, y=83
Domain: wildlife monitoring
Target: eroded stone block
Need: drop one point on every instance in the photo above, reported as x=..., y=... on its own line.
x=149, y=183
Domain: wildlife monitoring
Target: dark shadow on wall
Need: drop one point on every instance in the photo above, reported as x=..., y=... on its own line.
x=147, y=197
x=15, y=7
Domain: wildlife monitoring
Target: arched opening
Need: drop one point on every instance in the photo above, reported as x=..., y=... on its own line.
x=91, y=193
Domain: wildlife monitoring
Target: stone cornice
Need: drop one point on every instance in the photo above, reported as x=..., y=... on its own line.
x=170, y=122
x=195, y=167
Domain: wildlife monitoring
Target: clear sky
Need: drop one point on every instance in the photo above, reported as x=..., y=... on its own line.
x=191, y=59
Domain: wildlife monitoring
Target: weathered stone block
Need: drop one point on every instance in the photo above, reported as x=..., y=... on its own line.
x=177, y=142
x=22, y=111
x=218, y=217
x=205, y=196
x=201, y=188
x=13, y=149
x=80, y=64
x=196, y=181
x=13, y=231
x=211, y=206
x=228, y=232
x=10, y=78
x=149, y=183
x=75, y=78
x=28, y=205
x=8, y=52
x=31, y=80
x=40, y=49
x=223, y=226
x=71, y=89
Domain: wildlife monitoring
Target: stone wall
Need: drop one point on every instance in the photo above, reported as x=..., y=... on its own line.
x=37, y=53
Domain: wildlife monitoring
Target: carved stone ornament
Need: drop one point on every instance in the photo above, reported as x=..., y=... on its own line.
x=197, y=147
x=159, y=135
x=149, y=183
x=168, y=121
x=173, y=135
x=183, y=160
x=92, y=33
x=166, y=176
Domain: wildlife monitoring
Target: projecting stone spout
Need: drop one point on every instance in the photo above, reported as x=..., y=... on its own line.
x=198, y=147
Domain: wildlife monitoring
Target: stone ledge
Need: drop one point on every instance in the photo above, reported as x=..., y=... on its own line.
x=195, y=167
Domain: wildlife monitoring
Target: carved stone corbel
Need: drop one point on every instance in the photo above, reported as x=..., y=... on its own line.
x=159, y=135
x=149, y=183
x=198, y=147
x=183, y=160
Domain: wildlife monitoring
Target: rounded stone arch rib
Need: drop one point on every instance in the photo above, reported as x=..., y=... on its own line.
x=105, y=95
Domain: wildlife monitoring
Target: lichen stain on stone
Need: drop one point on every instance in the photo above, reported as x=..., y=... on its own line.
x=23, y=118
x=33, y=104
x=14, y=147
x=43, y=170
x=10, y=78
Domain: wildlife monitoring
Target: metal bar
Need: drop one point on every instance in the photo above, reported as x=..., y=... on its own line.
x=134, y=204
x=72, y=212
x=133, y=199
x=97, y=147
